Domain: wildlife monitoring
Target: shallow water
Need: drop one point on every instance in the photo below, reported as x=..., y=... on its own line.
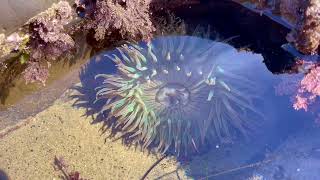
x=267, y=136
x=20, y=100
x=260, y=35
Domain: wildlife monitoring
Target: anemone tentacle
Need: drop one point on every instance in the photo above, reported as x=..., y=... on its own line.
x=179, y=92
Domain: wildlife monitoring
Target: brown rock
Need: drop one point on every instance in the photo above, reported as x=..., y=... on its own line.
x=308, y=31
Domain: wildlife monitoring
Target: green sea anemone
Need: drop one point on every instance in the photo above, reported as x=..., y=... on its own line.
x=180, y=92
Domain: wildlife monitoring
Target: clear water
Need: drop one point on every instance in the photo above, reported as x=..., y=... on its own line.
x=287, y=138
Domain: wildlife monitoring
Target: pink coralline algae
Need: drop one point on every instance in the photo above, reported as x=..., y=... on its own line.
x=309, y=89
x=130, y=17
x=301, y=103
x=35, y=73
x=303, y=89
x=48, y=40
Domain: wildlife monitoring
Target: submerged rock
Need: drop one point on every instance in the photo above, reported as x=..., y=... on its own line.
x=298, y=158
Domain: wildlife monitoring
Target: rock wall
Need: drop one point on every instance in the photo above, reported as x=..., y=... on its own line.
x=302, y=15
x=14, y=13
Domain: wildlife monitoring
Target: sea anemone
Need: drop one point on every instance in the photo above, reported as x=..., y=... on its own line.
x=180, y=93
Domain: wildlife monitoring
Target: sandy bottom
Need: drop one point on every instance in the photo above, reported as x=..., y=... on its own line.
x=62, y=131
x=297, y=158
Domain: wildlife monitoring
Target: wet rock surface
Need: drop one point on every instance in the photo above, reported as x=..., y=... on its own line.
x=302, y=16
x=14, y=13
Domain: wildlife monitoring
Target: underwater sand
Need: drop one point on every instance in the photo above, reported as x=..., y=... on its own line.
x=63, y=131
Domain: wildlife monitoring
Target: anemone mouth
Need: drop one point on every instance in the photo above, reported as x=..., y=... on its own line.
x=180, y=92
x=173, y=95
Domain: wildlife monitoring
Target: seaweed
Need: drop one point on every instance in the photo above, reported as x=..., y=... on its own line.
x=59, y=164
x=130, y=18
